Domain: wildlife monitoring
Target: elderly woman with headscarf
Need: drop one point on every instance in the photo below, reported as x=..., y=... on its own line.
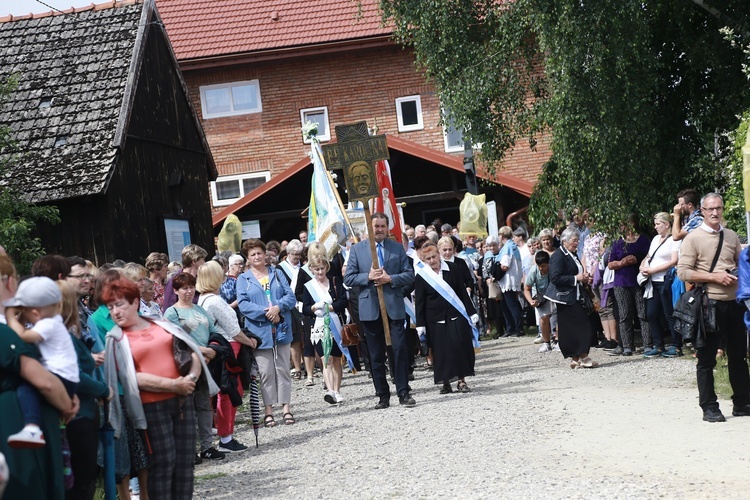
x=566, y=289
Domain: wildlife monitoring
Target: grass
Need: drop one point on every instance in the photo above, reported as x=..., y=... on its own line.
x=206, y=477
x=721, y=378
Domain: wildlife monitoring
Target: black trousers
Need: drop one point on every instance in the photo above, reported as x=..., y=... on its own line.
x=84, y=440
x=732, y=330
x=377, y=348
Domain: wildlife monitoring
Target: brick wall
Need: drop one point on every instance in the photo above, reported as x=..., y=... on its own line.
x=354, y=86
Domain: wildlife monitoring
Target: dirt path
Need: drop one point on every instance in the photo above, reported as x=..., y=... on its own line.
x=532, y=428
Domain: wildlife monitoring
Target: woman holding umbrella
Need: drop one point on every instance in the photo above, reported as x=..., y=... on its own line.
x=265, y=299
x=324, y=299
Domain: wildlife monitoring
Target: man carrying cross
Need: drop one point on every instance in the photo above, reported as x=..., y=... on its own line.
x=396, y=279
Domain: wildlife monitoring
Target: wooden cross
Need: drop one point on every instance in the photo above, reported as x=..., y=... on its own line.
x=355, y=153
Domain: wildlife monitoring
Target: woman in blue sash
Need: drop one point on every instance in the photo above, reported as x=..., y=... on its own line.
x=321, y=294
x=445, y=317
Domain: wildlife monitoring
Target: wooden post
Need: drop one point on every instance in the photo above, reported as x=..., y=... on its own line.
x=376, y=265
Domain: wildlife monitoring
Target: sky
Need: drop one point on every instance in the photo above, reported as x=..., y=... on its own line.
x=23, y=7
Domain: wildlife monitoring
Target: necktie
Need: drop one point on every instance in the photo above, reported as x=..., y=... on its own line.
x=380, y=254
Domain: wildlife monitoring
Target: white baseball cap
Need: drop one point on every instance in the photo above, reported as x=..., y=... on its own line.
x=38, y=291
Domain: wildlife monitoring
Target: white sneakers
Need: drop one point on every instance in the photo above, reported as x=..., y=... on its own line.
x=545, y=347
x=333, y=397
x=539, y=339
x=30, y=437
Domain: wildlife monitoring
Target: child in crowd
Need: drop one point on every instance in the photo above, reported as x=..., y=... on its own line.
x=37, y=302
x=545, y=310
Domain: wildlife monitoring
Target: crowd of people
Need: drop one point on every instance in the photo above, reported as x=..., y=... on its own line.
x=163, y=352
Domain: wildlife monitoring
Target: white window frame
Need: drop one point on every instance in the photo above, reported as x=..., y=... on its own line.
x=449, y=148
x=239, y=178
x=323, y=135
x=420, y=123
x=228, y=87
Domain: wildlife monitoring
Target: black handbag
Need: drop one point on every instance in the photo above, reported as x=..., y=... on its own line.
x=587, y=301
x=497, y=270
x=694, y=314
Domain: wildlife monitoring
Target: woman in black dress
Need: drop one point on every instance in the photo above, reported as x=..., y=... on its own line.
x=448, y=332
x=567, y=278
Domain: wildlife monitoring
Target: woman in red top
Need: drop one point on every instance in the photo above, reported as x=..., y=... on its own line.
x=166, y=396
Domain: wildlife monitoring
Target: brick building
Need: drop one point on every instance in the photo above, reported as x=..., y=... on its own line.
x=257, y=69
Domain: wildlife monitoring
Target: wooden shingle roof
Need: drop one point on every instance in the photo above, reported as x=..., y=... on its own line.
x=72, y=72
x=210, y=28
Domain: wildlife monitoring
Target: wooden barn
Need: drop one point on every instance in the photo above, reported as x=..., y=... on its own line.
x=106, y=132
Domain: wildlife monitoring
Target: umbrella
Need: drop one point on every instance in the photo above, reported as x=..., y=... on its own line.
x=107, y=439
x=327, y=337
x=255, y=399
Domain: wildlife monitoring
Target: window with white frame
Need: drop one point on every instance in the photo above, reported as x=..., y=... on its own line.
x=319, y=116
x=409, y=112
x=453, y=135
x=227, y=189
x=230, y=99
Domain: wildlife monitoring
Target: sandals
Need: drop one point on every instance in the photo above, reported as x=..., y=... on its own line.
x=289, y=419
x=588, y=363
x=446, y=389
x=462, y=387
x=268, y=421
x=574, y=364
x=309, y=383
x=297, y=375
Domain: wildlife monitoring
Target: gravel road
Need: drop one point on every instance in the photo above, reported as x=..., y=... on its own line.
x=531, y=428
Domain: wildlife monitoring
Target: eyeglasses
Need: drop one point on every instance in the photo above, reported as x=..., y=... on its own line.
x=713, y=209
x=81, y=276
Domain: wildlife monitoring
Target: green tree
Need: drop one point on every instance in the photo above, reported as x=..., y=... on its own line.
x=637, y=94
x=18, y=219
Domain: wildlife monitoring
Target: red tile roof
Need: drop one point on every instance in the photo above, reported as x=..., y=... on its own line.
x=206, y=28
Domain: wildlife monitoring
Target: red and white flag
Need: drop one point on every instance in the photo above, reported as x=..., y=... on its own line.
x=386, y=202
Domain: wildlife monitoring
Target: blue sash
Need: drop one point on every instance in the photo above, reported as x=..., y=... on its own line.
x=436, y=282
x=335, y=323
x=409, y=307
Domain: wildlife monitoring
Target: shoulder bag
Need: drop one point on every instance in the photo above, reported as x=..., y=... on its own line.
x=693, y=313
x=350, y=335
x=640, y=277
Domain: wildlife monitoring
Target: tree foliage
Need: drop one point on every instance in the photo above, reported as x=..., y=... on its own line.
x=18, y=219
x=637, y=94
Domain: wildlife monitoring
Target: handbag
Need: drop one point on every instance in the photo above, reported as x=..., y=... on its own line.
x=497, y=270
x=493, y=291
x=183, y=356
x=693, y=309
x=350, y=335
x=641, y=278
x=587, y=301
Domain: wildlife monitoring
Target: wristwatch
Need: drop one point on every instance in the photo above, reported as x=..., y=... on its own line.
x=193, y=377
